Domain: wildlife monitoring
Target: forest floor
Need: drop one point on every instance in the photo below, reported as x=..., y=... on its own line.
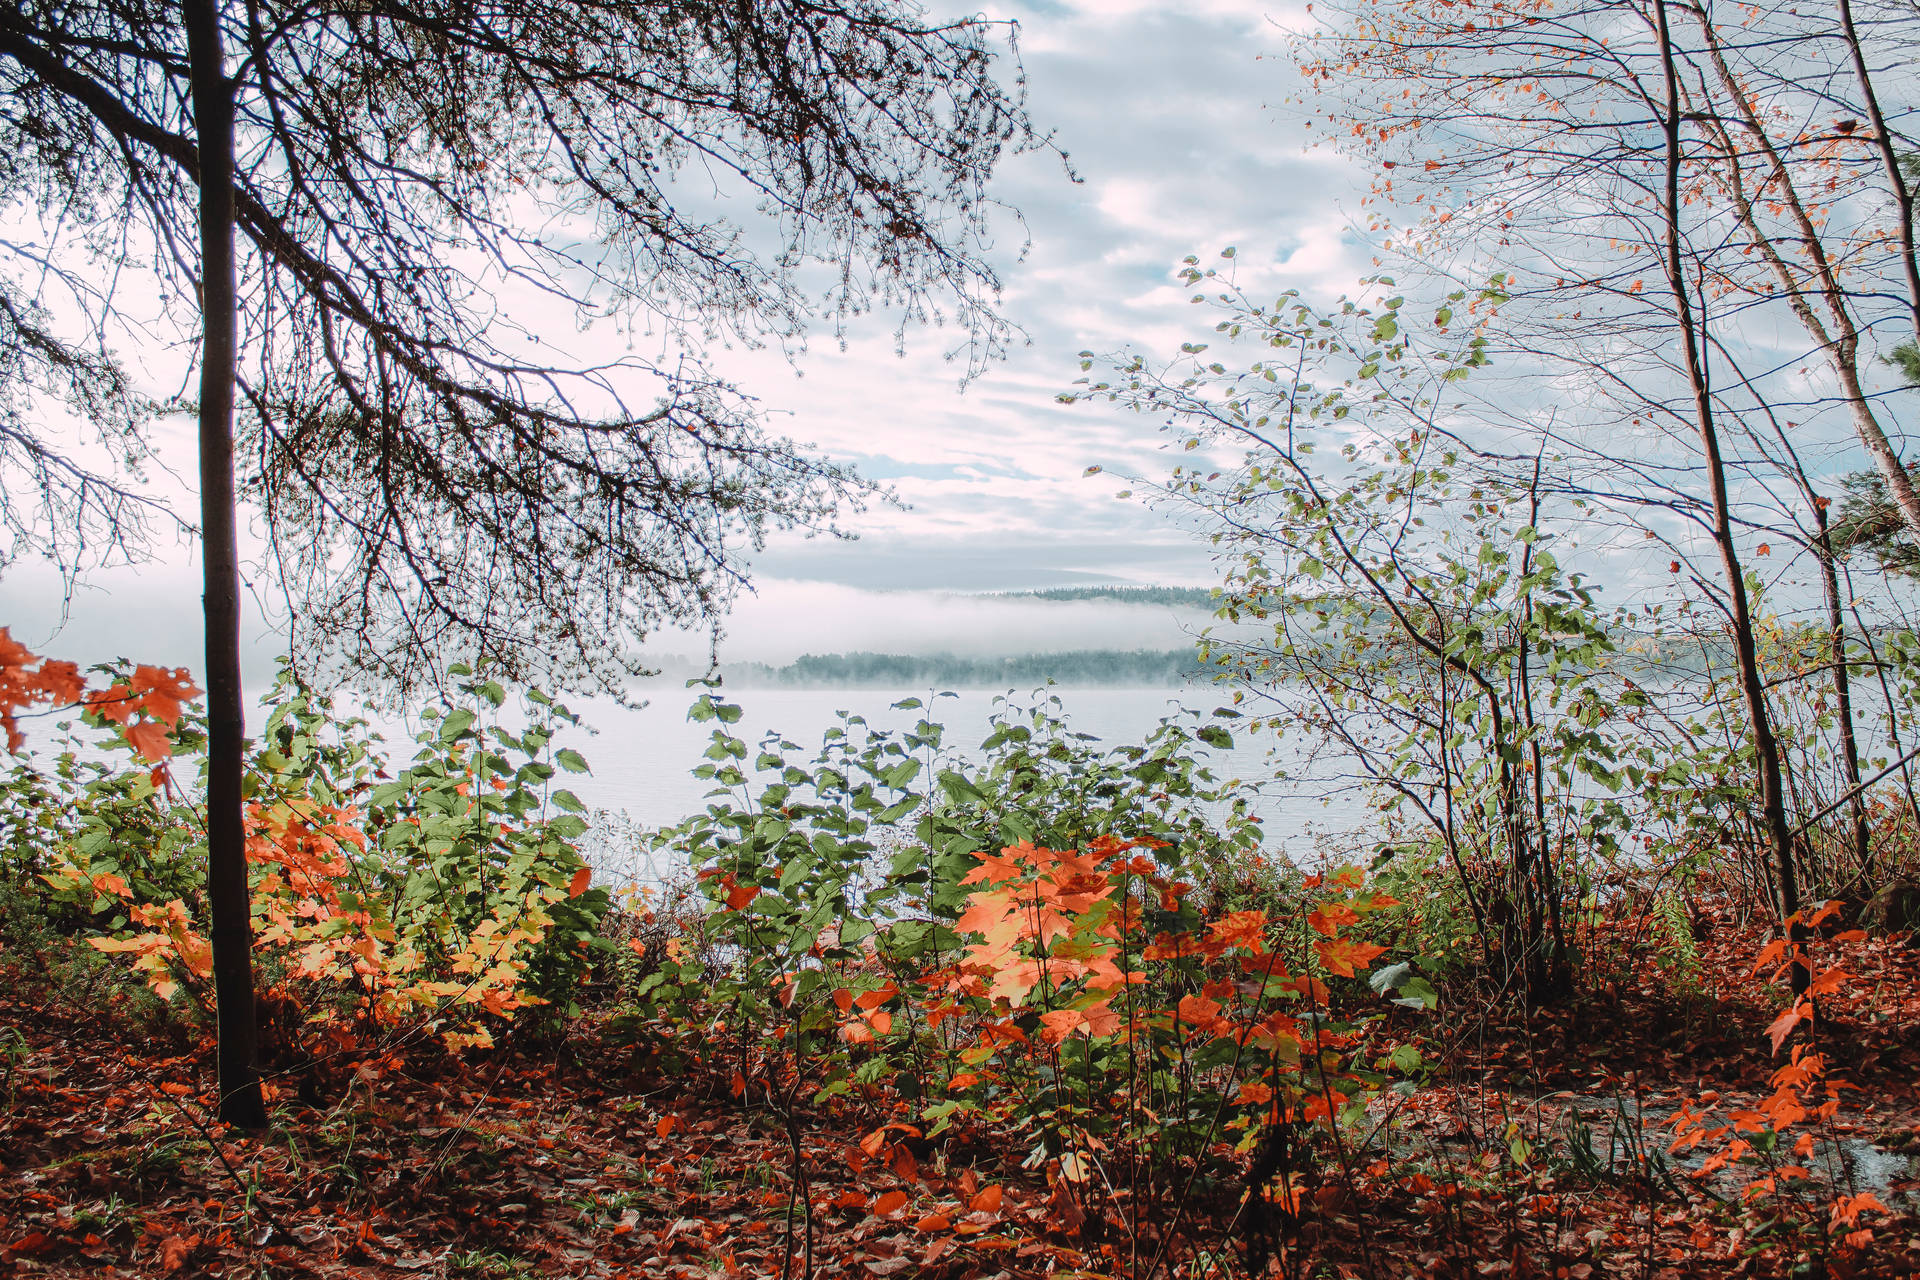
x=587, y=1159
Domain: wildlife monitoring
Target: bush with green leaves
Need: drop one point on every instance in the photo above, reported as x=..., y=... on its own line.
x=843, y=869
x=447, y=890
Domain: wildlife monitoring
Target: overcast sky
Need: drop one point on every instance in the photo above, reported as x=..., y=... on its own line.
x=1179, y=132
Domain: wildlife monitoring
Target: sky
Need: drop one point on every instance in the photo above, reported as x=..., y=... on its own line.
x=1178, y=129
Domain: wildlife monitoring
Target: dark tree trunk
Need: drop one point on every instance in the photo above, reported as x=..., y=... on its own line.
x=1843, y=696
x=240, y=1098
x=1766, y=748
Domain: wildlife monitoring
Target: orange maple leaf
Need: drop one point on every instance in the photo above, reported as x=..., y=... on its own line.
x=984, y=913
x=60, y=681
x=1343, y=955
x=1241, y=929
x=1330, y=917
x=1057, y=1024
x=1010, y=863
x=1783, y=1026
x=161, y=691
x=149, y=740
x=1200, y=1012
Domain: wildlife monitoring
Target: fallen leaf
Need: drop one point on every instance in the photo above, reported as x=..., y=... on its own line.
x=174, y=1251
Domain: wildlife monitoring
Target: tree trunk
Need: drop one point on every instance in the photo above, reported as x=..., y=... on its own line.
x=241, y=1102
x=1842, y=345
x=1883, y=142
x=1766, y=748
x=1842, y=693
x=1886, y=459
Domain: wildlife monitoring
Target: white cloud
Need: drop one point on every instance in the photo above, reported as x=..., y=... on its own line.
x=1170, y=118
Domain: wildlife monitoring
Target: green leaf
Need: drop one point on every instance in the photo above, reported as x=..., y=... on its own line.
x=1390, y=978
x=570, y=760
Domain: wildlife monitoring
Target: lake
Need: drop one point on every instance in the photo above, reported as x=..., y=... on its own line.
x=642, y=759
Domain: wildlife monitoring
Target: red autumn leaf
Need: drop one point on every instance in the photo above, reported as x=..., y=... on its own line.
x=1782, y=1027
x=1331, y=918
x=1848, y=1209
x=161, y=691
x=995, y=868
x=1198, y=1011
x=739, y=895
x=1057, y=1024
x=60, y=681
x=174, y=1251
x=580, y=882
x=1102, y=1019
x=1343, y=955
x=149, y=740
x=1829, y=982
x=933, y=1222
x=988, y=1201
x=889, y=1204
x=1241, y=929
x=666, y=1125
x=984, y=913
x=116, y=885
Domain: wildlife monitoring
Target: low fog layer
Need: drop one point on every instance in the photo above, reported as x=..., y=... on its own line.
x=153, y=615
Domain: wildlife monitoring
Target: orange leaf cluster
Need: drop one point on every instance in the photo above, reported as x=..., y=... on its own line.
x=28, y=680
x=146, y=706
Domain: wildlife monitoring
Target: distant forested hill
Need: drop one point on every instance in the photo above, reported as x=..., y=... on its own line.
x=1087, y=668
x=1172, y=597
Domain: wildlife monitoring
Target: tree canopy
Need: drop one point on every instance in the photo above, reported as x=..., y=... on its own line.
x=412, y=183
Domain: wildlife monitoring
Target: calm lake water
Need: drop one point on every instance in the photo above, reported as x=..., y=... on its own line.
x=642, y=759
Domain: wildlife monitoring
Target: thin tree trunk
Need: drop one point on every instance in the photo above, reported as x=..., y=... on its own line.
x=1753, y=690
x=1842, y=344
x=1842, y=691
x=1889, y=160
x=241, y=1102
x=1894, y=743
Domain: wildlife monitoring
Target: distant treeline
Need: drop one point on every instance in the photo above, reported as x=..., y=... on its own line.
x=1092, y=668
x=1173, y=597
